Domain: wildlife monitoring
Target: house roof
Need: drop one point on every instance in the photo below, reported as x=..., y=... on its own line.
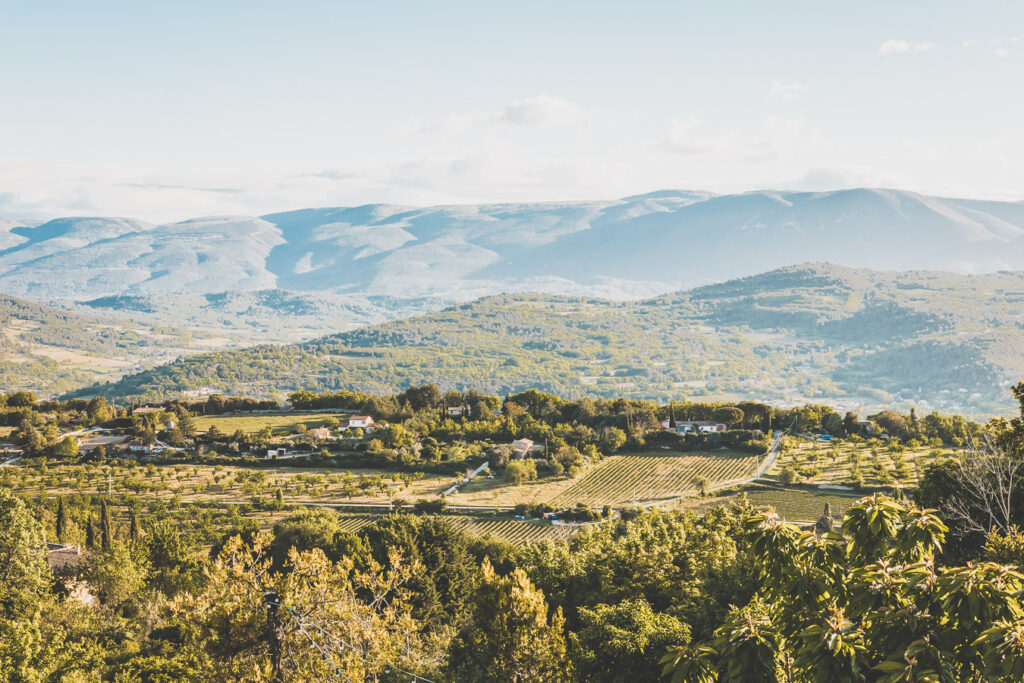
x=61, y=555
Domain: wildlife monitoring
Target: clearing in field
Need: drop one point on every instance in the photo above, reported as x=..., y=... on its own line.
x=281, y=423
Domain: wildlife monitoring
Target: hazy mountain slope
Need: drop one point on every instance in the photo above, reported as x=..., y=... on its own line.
x=49, y=350
x=628, y=248
x=806, y=333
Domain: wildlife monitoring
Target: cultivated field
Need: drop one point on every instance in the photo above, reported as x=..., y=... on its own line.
x=647, y=478
x=280, y=422
x=877, y=464
x=227, y=484
x=617, y=479
x=795, y=505
x=515, y=531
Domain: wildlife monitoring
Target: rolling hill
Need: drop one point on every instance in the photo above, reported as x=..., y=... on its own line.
x=816, y=332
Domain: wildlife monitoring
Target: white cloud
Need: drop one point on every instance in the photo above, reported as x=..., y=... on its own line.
x=1001, y=52
x=969, y=43
x=543, y=110
x=786, y=91
x=893, y=46
x=777, y=135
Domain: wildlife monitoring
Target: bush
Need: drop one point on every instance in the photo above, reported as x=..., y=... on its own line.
x=787, y=476
x=430, y=507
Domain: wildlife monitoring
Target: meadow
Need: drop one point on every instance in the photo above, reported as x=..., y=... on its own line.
x=280, y=423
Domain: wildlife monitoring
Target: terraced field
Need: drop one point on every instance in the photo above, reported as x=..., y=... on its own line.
x=515, y=531
x=645, y=478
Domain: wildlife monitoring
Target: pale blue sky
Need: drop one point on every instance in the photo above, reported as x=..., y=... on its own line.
x=168, y=110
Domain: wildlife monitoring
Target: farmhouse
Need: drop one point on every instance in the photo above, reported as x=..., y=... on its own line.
x=456, y=411
x=693, y=426
x=276, y=453
x=320, y=433
x=139, y=446
x=364, y=422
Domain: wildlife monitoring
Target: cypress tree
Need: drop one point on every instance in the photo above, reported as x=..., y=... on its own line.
x=90, y=534
x=105, y=530
x=133, y=530
x=62, y=520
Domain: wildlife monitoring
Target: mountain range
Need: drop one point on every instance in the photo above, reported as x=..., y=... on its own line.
x=622, y=249
x=304, y=277
x=855, y=338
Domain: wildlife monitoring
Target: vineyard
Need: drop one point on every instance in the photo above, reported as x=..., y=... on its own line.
x=515, y=531
x=643, y=478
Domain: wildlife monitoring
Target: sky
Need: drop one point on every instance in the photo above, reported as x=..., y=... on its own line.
x=164, y=111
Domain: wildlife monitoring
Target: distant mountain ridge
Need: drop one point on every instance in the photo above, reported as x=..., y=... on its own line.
x=854, y=338
x=633, y=247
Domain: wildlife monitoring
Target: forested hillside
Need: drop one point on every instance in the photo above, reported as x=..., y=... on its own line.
x=50, y=350
x=805, y=333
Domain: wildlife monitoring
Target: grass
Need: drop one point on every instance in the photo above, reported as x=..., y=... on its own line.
x=281, y=423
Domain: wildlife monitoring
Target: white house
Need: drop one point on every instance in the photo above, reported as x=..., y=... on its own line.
x=364, y=422
x=275, y=453
x=456, y=411
x=688, y=426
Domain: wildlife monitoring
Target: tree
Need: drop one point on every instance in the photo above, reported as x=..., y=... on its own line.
x=509, y=636
x=24, y=572
x=519, y=471
x=317, y=621
x=627, y=637
x=728, y=415
x=106, y=532
x=61, y=525
x=66, y=447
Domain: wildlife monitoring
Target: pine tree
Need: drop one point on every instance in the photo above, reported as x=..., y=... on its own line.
x=62, y=520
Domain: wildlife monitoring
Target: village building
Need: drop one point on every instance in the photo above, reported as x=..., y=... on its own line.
x=65, y=562
x=320, y=433
x=364, y=422
x=139, y=446
x=694, y=426
x=456, y=411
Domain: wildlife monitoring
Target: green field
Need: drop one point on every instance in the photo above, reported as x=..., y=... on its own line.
x=281, y=423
